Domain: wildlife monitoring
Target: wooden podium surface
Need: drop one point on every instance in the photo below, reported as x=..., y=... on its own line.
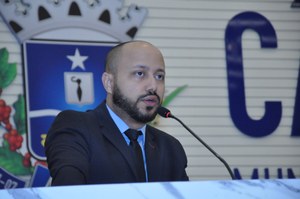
x=229, y=189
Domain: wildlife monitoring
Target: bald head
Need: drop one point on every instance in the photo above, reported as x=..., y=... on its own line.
x=115, y=54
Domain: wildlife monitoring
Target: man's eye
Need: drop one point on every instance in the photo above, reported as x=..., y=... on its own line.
x=139, y=73
x=160, y=77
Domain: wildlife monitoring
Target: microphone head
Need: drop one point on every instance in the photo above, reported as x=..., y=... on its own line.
x=164, y=112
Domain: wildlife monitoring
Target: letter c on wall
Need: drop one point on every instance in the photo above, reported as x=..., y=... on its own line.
x=235, y=74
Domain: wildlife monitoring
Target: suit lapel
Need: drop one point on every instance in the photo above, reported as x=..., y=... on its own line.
x=152, y=156
x=112, y=133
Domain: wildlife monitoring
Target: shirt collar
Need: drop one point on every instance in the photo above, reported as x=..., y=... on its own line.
x=122, y=126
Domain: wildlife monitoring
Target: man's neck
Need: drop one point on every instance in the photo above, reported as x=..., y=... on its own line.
x=125, y=117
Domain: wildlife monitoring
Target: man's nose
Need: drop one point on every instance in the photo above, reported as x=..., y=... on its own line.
x=152, y=84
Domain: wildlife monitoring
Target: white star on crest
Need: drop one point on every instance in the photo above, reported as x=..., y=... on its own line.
x=77, y=60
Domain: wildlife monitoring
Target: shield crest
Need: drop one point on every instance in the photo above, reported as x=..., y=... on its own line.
x=58, y=76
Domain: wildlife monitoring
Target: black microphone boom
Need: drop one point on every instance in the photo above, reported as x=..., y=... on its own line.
x=164, y=112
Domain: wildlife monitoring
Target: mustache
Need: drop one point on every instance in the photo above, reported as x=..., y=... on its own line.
x=150, y=93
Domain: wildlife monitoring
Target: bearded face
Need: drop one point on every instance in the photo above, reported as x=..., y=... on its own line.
x=131, y=107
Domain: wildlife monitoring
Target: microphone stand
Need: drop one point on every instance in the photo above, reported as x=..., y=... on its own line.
x=208, y=147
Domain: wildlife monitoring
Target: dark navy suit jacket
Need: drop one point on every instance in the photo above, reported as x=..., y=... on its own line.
x=88, y=148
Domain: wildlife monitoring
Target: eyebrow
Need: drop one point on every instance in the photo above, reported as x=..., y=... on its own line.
x=148, y=67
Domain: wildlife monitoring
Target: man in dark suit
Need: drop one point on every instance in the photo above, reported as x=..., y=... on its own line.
x=94, y=147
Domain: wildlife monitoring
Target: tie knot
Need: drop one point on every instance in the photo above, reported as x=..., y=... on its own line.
x=133, y=134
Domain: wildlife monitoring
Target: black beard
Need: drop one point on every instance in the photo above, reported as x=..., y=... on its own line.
x=131, y=107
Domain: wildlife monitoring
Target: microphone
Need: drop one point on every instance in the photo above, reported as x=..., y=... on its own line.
x=164, y=112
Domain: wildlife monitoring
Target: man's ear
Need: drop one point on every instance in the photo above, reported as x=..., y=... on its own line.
x=107, y=81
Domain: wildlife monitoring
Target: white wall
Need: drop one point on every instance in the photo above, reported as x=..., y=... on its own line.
x=191, y=36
